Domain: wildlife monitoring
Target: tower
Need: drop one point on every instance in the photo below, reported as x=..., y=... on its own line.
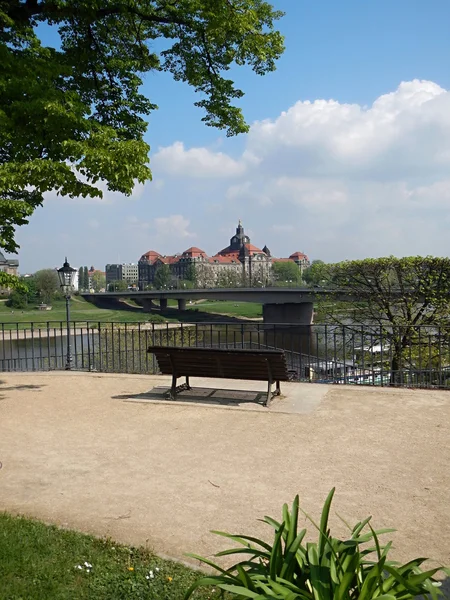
x=239, y=240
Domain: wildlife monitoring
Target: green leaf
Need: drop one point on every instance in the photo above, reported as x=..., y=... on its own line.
x=276, y=554
x=239, y=591
x=244, y=539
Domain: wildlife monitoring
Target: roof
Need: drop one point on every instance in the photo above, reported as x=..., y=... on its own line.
x=168, y=260
x=194, y=251
x=254, y=249
x=229, y=259
x=298, y=255
x=250, y=247
x=150, y=256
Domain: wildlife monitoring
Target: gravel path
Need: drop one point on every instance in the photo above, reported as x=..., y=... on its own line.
x=77, y=452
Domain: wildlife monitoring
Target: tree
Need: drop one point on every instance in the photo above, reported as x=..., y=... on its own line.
x=81, y=279
x=401, y=302
x=47, y=284
x=73, y=116
x=163, y=276
x=191, y=273
x=117, y=286
x=286, y=273
x=316, y=274
x=85, y=279
x=30, y=289
x=228, y=278
x=98, y=281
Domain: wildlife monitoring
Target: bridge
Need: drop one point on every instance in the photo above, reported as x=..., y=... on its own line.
x=280, y=305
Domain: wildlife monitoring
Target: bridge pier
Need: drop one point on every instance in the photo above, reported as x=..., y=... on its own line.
x=163, y=304
x=301, y=314
x=147, y=304
x=288, y=326
x=181, y=304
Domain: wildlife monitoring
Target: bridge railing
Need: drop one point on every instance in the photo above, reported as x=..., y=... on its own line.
x=353, y=354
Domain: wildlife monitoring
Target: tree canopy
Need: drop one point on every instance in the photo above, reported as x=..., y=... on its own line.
x=98, y=280
x=286, y=273
x=117, y=286
x=403, y=301
x=163, y=276
x=316, y=274
x=47, y=284
x=73, y=116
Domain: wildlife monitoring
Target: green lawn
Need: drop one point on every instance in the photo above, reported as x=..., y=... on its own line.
x=80, y=310
x=236, y=309
x=40, y=562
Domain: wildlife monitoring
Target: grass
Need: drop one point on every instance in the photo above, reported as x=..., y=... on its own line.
x=80, y=310
x=236, y=309
x=40, y=562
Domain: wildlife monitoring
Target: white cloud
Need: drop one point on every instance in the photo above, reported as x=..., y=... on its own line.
x=349, y=180
x=333, y=180
x=402, y=131
x=247, y=192
x=172, y=227
x=176, y=227
x=195, y=162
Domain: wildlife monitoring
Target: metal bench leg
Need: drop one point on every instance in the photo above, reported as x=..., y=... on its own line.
x=188, y=387
x=278, y=389
x=173, y=389
x=269, y=393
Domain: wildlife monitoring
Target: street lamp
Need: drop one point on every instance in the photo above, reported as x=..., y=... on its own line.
x=66, y=276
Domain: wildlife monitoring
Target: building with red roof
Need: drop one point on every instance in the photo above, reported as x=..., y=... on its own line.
x=240, y=263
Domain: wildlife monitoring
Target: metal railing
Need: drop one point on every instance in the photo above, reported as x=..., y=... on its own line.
x=357, y=355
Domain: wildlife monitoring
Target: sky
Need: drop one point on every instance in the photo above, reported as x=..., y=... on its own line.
x=348, y=154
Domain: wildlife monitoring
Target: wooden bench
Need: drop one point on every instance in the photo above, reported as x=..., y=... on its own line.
x=221, y=363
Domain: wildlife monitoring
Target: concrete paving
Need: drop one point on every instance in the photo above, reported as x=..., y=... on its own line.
x=106, y=454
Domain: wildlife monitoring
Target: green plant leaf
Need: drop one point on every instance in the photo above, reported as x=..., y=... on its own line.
x=239, y=590
x=276, y=554
x=244, y=539
x=208, y=562
x=324, y=522
x=253, y=552
x=292, y=524
x=368, y=536
x=204, y=582
x=244, y=577
x=290, y=557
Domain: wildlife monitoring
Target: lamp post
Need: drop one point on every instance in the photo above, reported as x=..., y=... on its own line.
x=66, y=276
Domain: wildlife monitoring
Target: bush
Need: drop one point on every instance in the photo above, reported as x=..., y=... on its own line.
x=156, y=319
x=17, y=300
x=329, y=569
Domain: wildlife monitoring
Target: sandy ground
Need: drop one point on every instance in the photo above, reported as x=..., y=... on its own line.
x=101, y=454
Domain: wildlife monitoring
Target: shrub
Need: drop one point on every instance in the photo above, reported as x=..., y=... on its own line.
x=156, y=318
x=17, y=300
x=330, y=569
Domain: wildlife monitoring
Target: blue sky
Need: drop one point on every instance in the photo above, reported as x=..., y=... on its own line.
x=336, y=180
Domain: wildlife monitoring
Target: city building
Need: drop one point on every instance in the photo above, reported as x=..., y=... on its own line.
x=9, y=266
x=240, y=263
x=122, y=272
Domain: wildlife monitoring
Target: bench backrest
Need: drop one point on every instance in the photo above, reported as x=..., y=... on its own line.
x=221, y=363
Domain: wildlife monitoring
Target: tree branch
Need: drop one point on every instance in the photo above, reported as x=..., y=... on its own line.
x=31, y=8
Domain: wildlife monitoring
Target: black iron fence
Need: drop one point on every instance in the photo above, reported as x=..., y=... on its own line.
x=357, y=355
